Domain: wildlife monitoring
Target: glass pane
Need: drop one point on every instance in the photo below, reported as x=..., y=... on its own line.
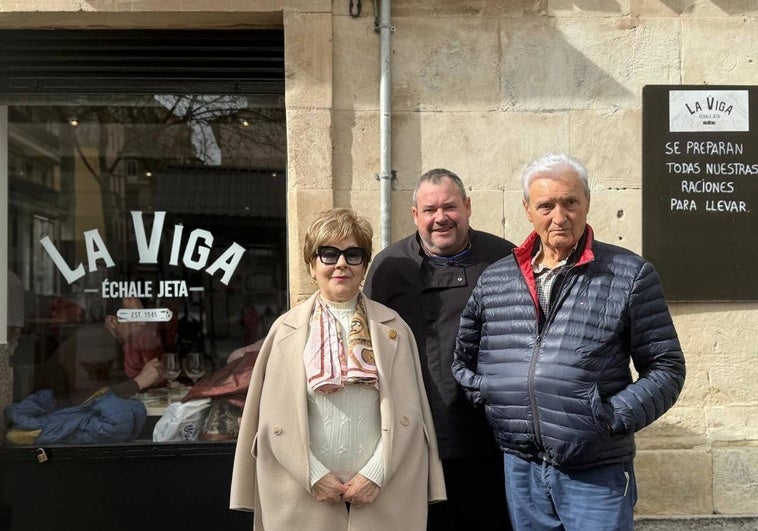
x=141, y=226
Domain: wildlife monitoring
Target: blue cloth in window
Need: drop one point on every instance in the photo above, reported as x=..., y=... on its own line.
x=106, y=419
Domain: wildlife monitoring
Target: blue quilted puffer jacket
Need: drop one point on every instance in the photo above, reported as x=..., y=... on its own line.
x=559, y=387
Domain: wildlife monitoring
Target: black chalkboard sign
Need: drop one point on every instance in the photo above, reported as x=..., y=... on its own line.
x=700, y=190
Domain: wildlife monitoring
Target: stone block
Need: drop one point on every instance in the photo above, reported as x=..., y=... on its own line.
x=679, y=427
x=368, y=204
x=706, y=522
x=734, y=376
x=733, y=422
x=309, y=149
x=302, y=207
x=731, y=62
x=432, y=64
x=402, y=219
x=552, y=64
x=720, y=366
x=516, y=225
x=487, y=150
x=735, y=480
x=487, y=211
x=515, y=8
x=590, y=8
x=656, y=8
x=308, y=60
x=674, y=482
x=615, y=215
x=356, y=50
x=609, y=142
x=720, y=370
x=356, y=150
x=690, y=8
x=474, y=8
x=697, y=385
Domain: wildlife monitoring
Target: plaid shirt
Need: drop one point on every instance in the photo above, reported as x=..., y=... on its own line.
x=545, y=278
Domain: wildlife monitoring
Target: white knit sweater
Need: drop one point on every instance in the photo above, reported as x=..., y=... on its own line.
x=345, y=427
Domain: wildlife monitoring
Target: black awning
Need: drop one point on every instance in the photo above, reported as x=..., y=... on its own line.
x=144, y=61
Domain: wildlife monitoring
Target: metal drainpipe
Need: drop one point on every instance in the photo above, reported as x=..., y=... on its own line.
x=385, y=126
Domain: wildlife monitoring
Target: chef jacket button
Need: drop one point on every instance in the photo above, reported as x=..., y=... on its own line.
x=404, y=420
x=277, y=429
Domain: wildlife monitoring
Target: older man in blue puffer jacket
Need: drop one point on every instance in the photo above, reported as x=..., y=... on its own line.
x=544, y=346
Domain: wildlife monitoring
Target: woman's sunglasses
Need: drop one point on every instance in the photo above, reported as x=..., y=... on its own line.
x=330, y=255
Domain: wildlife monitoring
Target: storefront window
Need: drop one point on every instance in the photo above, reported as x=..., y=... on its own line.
x=141, y=229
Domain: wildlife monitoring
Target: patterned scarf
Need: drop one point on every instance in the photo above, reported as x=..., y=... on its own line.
x=327, y=366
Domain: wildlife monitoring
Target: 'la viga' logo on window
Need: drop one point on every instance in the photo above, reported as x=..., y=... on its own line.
x=708, y=110
x=195, y=256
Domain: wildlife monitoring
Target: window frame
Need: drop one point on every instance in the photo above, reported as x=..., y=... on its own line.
x=46, y=70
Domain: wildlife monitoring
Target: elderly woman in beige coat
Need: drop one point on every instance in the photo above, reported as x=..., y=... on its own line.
x=336, y=433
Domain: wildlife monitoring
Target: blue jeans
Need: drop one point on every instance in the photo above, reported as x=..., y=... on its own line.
x=543, y=498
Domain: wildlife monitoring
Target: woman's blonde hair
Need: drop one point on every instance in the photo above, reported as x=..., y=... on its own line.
x=334, y=225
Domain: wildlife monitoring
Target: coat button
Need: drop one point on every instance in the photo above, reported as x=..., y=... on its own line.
x=392, y=333
x=404, y=420
x=277, y=429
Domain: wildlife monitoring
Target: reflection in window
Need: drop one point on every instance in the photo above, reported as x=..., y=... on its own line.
x=141, y=226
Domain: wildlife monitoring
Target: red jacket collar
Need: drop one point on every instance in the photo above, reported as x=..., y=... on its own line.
x=523, y=254
x=525, y=251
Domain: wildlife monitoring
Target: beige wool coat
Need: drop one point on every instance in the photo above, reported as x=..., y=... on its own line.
x=271, y=466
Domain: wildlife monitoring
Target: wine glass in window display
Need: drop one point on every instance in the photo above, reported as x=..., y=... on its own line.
x=194, y=366
x=170, y=369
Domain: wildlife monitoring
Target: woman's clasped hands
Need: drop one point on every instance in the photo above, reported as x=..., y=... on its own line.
x=357, y=492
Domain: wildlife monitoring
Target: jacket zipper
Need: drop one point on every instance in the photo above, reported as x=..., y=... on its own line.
x=535, y=355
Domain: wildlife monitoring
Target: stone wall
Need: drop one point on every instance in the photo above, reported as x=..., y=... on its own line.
x=481, y=87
